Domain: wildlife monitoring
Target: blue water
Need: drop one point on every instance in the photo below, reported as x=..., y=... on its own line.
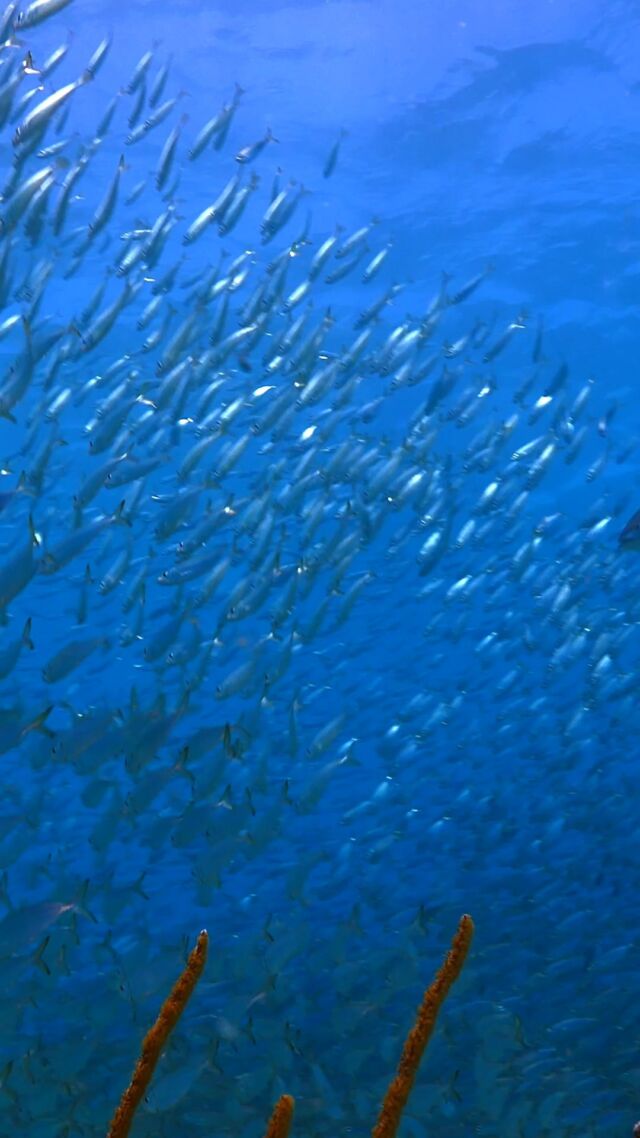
x=398, y=681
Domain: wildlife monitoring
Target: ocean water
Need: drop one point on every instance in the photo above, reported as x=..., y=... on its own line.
x=319, y=595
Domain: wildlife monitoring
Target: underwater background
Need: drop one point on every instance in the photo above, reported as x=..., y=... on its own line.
x=319, y=592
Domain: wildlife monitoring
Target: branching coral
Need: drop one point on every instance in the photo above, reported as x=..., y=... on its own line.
x=397, y=1095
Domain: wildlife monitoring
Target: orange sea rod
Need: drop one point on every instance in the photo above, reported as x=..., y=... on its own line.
x=396, y=1097
x=398, y=1093
x=157, y=1036
x=281, y=1116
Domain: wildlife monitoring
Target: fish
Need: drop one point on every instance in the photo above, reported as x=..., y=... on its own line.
x=249, y=153
x=37, y=120
x=37, y=12
x=11, y=652
x=217, y=127
x=97, y=59
x=157, y=116
x=355, y=240
x=284, y=485
x=499, y=345
x=70, y=657
x=236, y=207
x=167, y=155
x=374, y=266
x=104, y=212
x=60, y=554
x=139, y=72
x=159, y=83
x=470, y=287
x=20, y=928
x=331, y=160
x=280, y=210
x=54, y=60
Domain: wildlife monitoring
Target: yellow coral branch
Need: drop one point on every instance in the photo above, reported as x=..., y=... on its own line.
x=156, y=1038
x=396, y=1097
x=280, y=1120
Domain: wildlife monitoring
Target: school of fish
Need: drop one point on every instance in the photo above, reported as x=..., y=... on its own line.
x=303, y=640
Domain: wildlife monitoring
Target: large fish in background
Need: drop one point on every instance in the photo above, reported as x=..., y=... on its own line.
x=314, y=633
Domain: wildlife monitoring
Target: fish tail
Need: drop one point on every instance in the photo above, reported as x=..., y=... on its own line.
x=80, y=903
x=38, y=957
x=119, y=517
x=26, y=635
x=39, y=723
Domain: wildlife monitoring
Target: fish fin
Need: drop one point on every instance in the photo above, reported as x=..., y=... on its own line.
x=36, y=539
x=23, y=487
x=4, y=894
x=119, y=517
x=38, y=957
x=39, y=724
x=80, y=903
x=350, y=761
x=181, y=765
x=26, y=635
x=137, y=886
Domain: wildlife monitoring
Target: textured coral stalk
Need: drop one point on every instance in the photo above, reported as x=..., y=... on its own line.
x=396, y=1097
x=280, y=1120
x=156, y=1038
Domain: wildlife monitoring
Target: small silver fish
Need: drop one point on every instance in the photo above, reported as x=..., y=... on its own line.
x=249, y=153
